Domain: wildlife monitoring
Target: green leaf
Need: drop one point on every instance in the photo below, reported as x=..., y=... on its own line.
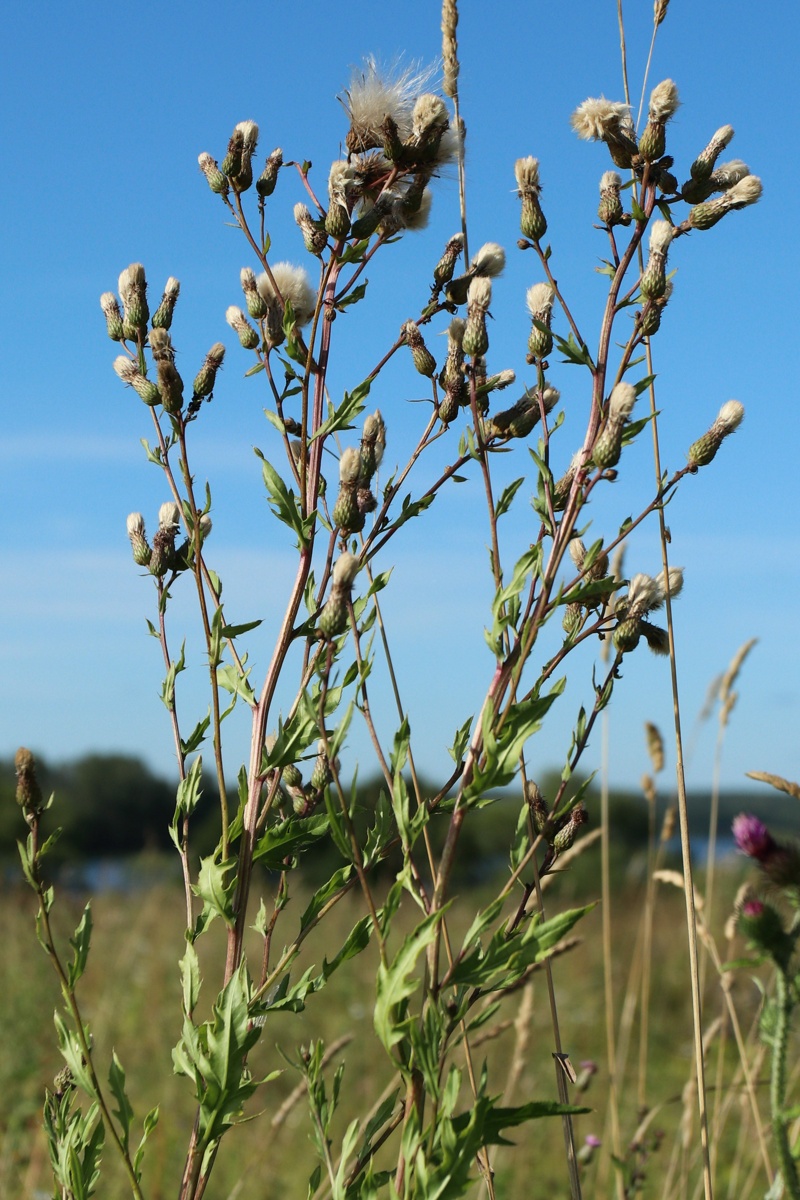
x=231, y=679
x=501, y=963
x=323, y=895
x=196, y=737
x=215, y=892
x=190, y=979
x=573, y=353
x=80, y=942
x=637, y=211
x=354, y=253
x=379, y=582
x=395, y=983
x=284, y=503
x=342, y=417
x=502, y=749
x=148, y=1125
x=168, y=686
x=506, y=497
x=232, y=631
x=352, y=297
x=124, y=1112
x=461, y=741
x=259, y=366
x=188, y=795
x=281, y=845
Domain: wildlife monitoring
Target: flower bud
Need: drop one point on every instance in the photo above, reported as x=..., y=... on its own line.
x=238, y=322
x=314, y=236
x=610, y=208
x=133, y=294
x=729, y=418
x=237, y=164
x=479, y=296
x=130, y=374
x=703, y=165
x=443, y=272
x=663, y=105
x=29, y=793
x=532, y=219
x=654, y=278
x=424, y=361
x=256, y=304
x=214, y=177
x=206, y=377
x=139, y=544
x=265, y=184
x=627, y=635
x=113, y=316
x=608, y=121
x=373, y=444
x=539, y=300
x=162, y=317
x=566, y=834
x=608, y=446
x=747, y=191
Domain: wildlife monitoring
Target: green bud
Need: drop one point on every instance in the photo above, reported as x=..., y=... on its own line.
x=206, y=377
x=29, y=793
x=265, y=184
x=162, y=317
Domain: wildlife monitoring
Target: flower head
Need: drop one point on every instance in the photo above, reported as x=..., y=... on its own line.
x=664, y=101
x=294, y=285
x=377, y=92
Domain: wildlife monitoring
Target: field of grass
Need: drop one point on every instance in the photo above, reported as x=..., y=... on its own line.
x=131, y=997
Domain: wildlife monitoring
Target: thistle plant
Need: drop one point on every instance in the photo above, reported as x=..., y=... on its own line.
x=435, y=1133
x=768, y=918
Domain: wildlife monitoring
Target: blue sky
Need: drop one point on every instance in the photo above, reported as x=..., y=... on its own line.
x=104, y=119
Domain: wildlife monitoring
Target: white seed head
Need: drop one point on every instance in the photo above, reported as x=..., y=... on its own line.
x=206, y=525
x=130, y=280
x=596, y=118
x=301, y=214
x=730, y=416
x=610, y=181
x=539, y=299
x=135, y=525
x=110, y=305
x=661, y=234
x=746, y=191
x=550, y=397
x=169, y=515
x=489, y=261
x=621, y=401
x=294, y=285
x=526, y=172
x=236, y=318
x=341, y=179
x=479, y=295
x=349, y=465
x=377, y=92
x=247, y=279
x=125, y=368
x=644, y=594
x=504, y=379
x=455, y=332
x=249, y=131
x=675, y=582
x=729, y=173
x=429, y=110
x=420, y=218
x=172, y=288
x=345, y=570
x=664, y=101
x=577, y=552
x=723, y=137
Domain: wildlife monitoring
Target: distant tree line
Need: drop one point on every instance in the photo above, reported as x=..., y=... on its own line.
x=113, y=805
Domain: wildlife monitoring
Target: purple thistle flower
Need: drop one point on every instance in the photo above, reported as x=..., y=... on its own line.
x=752, y=837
